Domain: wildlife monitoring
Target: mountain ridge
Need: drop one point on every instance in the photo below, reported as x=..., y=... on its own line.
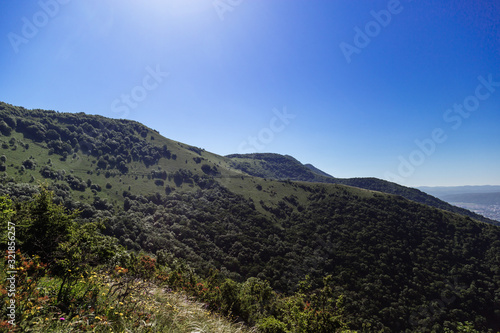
x=284, y=167
x=386, y=254
x=270, y=165
x=316, y=170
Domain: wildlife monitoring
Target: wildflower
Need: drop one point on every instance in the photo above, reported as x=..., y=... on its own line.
x=61, y=319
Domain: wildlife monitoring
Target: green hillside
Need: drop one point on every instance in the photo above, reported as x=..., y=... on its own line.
x=275, y=166
x=398, y=265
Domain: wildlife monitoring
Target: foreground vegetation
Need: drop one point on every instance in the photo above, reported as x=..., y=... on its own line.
x=72, y=278
x=105, y=302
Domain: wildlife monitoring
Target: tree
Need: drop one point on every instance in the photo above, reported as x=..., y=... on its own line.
x=11, y=121
x=256, y=298
x=4, y=128
x=102, y=163
x=29, y=164
x=52, y=135
x=43, y=225
x=6, y=213
x=35, y=132
x=466, y=327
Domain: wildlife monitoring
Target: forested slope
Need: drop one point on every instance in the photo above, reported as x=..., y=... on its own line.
x=401, y=265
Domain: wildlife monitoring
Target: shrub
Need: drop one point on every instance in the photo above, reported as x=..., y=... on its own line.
x=29, y=164
x=271, y=325
x=4, y=128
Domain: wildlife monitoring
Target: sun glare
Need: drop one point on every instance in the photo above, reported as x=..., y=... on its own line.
x=179, y=7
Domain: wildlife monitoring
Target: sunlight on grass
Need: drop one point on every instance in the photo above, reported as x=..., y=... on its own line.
x=113, y=305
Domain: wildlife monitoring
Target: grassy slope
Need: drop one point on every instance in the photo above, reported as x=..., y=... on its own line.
x=136, y=178
x=281, y=167
x=191, y=159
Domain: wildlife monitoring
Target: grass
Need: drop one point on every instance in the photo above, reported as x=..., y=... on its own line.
x=164, y=312
x=84, y=167
x=100, y=301
x=138, y=179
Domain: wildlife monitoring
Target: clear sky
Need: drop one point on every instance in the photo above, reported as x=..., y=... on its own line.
x=401, y=90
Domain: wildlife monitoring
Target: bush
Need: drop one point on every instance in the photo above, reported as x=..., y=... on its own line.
x=207, y=169
x=4, y=128
x=256, y=297
x=271, y=325
x=29, y=164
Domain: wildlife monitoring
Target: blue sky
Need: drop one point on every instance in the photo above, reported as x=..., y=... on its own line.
x=405, y=90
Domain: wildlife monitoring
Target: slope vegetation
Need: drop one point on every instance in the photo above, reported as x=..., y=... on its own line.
x=402, y=266
x=275, y=166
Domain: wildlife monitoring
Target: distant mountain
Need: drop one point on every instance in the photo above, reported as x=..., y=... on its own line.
x=439, y=191
x=276, y=166
x=492, y=198
x=401, y=265
x=284, y=167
